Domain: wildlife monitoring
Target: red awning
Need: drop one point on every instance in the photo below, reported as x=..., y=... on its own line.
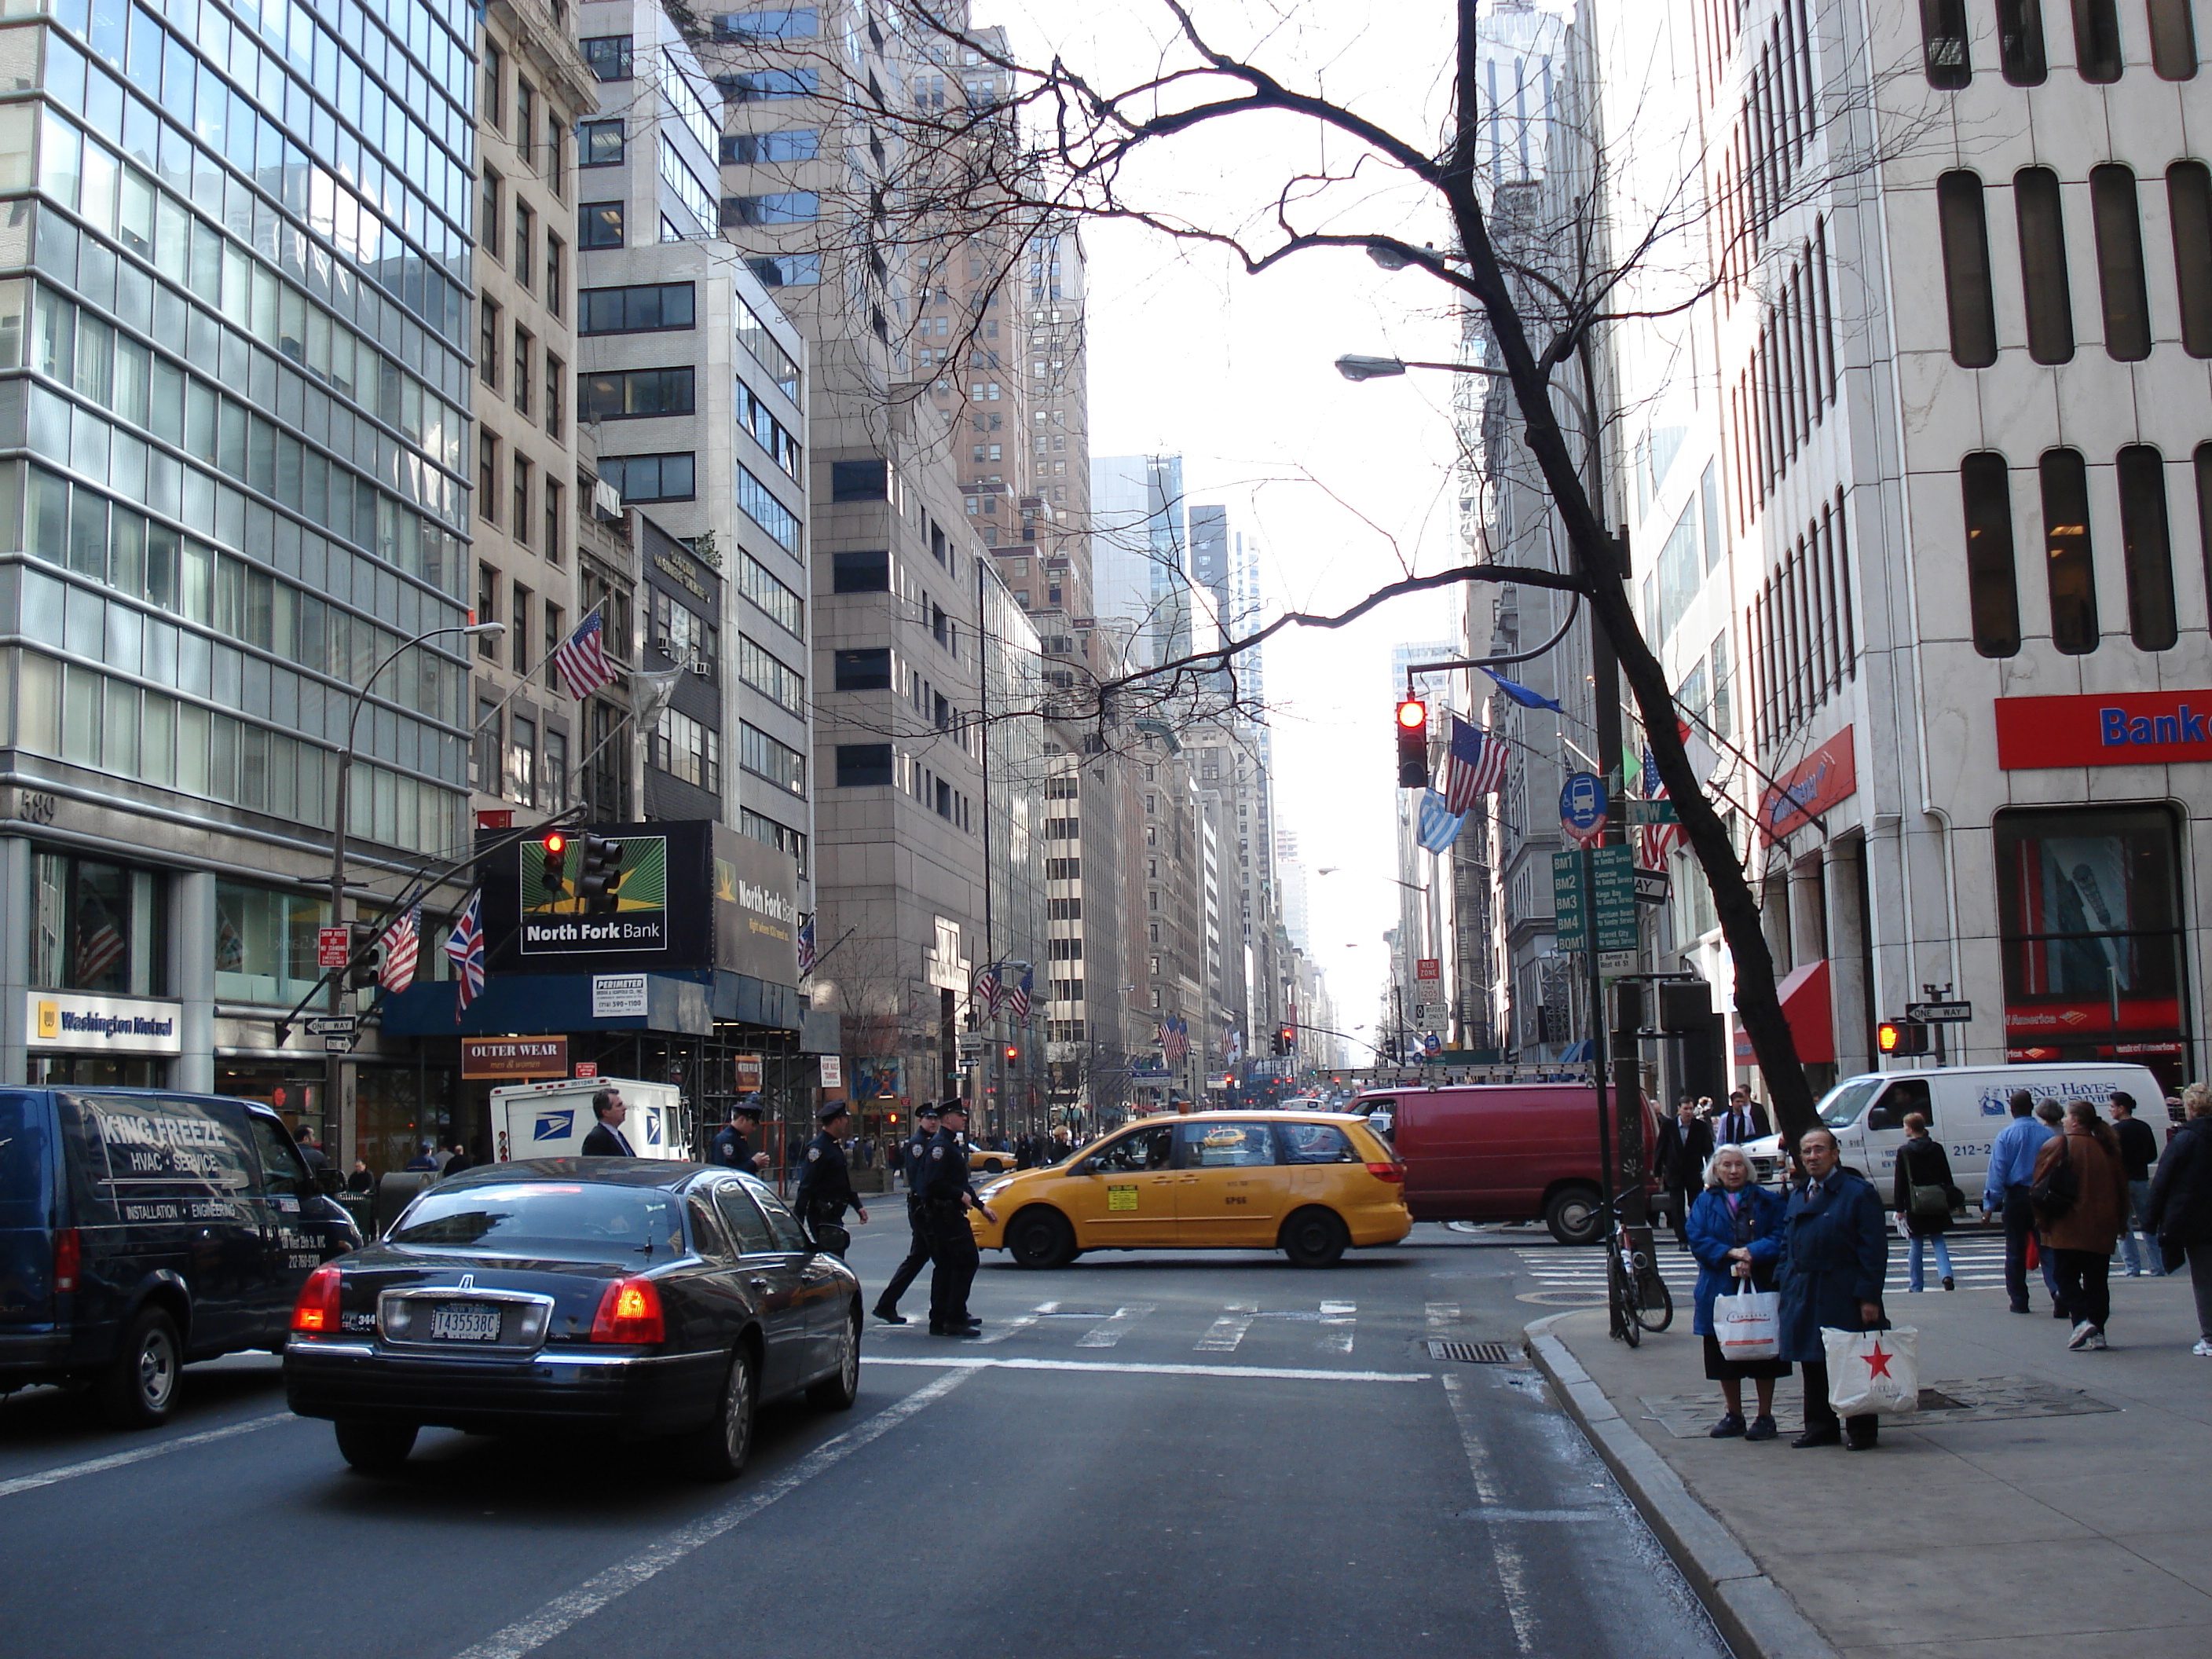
x=1805, y=1005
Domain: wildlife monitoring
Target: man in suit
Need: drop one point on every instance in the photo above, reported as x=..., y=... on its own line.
x=1686, y=1143
x=1745, y=1121
x=606, y=1138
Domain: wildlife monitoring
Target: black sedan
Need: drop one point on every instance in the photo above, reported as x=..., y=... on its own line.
x=642, y=1298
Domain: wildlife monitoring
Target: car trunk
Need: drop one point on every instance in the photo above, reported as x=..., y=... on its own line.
x=575, y=1286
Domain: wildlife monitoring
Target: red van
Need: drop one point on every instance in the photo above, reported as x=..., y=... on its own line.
x=1500, y=1152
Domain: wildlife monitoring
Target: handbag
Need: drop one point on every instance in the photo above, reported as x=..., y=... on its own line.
x=1749, y=1325
x=1924, y=1200
x=2054, y=1196
x=1872, y=1371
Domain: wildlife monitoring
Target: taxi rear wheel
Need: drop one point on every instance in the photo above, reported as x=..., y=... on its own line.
x=1040, y=1238
x=376, y=1448
x=1315, y=1238
x=140, y=1385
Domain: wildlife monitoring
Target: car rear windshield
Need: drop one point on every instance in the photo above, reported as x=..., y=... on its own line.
x=547, y=1221
x=23, y=1162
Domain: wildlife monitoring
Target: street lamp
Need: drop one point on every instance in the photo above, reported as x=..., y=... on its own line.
x=336, y=1108
x=1357, y=367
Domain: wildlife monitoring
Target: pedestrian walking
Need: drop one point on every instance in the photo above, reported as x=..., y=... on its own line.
x=606, y=1138
x=1924, y=1198
x=1063, y=1145
x=825, y=1184
x=424, y=1163
x=914, y=1156
x=311, y=1154
x=2083, y=1212
x=2138, y=1152
x=732, y=1145
x=2012, y=1168
x=2181, y=1204
x=946, y=1198
x=1736, y=1233
x=1744, y=1122
x=1685, y=1147
x=1835, y=1255
x=457, y=1159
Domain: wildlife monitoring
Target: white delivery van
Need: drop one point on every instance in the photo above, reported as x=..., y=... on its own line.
x=550, y=1120
x=1967, y=1107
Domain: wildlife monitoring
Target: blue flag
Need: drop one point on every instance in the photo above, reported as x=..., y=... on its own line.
x=1439, y=825
x=1521, y=694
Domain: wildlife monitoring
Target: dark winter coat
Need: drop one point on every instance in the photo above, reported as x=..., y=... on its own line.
x=1923, y=1162
x=2100, y=1203
x=1756, y=1225
x=2181, y=1191
x=1835, y=1254
x=1679, y=1154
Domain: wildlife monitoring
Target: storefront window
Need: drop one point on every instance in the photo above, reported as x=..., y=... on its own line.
x=265, y=943
x=2089, y=906
x=96, y=927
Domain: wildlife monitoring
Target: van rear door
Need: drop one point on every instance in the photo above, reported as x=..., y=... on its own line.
x=27, y=1205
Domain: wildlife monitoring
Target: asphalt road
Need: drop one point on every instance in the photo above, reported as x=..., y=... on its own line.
x=1155, y=1455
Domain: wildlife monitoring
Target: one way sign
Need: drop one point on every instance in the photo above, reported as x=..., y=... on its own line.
x=1938, y=1013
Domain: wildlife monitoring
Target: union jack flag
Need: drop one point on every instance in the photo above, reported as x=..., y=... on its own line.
x=1018, y=997
x=581, y=658
x=465, y=948
x=1659, y=839
x=1474, y=765
x=401, y=942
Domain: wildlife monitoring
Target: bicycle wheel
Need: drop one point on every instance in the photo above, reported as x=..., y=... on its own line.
x=1654, y=1305
x=1622, y=1299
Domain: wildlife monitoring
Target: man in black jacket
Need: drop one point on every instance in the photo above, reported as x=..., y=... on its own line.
x=2138, y=1152
x=2180, y=1210
x=606, y=1138
x=946, y=1198
x=825, y=1185
x=1686, y=1143
x=913, y=1156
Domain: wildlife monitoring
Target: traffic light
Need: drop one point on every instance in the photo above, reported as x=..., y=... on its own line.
x=1901, y=1037
x=600, y=875
x=1013, y=1054
x=1413, y=743
x=555, y=875
x=366, y=972
x=1286, y=1039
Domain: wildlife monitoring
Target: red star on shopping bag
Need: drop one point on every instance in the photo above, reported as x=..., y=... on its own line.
x=1878, y=1362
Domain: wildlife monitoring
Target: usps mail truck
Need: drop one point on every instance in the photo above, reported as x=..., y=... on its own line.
x=550, y=1120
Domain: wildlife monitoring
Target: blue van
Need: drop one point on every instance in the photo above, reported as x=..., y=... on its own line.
x=142, y=1228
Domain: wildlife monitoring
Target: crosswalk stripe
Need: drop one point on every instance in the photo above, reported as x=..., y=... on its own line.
x=1443, y=1316
x=1108, y=1332
x=1018, y=1322
x=1137, y=1368
x=1226, y=1332
x=1339, y=1317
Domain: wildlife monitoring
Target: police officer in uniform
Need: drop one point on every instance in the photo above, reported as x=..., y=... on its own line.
x=946, y=1197
x=733, y=1147
x=914, y=1156
x=825, y=1185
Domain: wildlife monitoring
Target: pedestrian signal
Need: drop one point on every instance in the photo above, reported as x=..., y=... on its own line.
x=1901, y=1037
x=1413, y=743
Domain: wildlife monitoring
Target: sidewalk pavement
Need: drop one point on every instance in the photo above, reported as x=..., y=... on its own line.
x=2060, y=1499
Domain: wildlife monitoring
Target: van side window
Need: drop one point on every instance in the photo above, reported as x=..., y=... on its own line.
x=129, y=1148
x=1314, y=1143
x=282, y=1168
x=1906, y=1095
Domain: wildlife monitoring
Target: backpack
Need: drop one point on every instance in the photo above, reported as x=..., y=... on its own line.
x=2054, y=1195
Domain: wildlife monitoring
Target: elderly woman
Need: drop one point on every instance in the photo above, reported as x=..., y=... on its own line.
x=1736, y=1233
x=1835, y=1254
x=2083, y=1236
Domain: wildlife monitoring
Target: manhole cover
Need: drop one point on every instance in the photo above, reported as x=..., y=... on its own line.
x=1471, y=1353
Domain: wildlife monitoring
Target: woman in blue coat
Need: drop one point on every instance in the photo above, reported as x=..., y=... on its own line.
x=1835, y=1254
x=1736, y=1233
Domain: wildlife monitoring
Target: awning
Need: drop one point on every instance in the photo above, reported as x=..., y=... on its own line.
x=1806, y=1006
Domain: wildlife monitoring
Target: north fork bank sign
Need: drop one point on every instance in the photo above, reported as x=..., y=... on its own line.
x=112, y=1026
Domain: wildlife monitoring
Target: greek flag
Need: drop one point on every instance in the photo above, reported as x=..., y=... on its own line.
x=1439, y=825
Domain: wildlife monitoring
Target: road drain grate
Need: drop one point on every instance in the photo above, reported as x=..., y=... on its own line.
x=1471, y=1353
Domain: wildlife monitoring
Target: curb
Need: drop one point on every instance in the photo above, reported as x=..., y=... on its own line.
x=1754, y=1616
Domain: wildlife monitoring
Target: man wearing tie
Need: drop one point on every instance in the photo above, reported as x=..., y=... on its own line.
x=606, y=1138
x=1744, y=1122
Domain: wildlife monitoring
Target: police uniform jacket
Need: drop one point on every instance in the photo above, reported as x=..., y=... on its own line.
x=946, y=1176
x=825, y=1187
x=731, y=1149
x=914, y=1163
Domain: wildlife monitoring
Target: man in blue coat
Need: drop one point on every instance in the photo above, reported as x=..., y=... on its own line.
x=1835, y=1255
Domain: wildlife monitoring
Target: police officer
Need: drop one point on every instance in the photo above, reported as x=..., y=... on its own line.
x=733, y=1147
x=914, y=1156
x=946, y=1197
x=825, y=1185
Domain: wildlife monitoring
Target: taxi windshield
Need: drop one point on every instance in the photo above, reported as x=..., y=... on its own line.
x=1840, y=1107
x=546, y=1222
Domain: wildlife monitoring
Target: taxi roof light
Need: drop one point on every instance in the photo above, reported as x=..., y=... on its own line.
x=629, y=1312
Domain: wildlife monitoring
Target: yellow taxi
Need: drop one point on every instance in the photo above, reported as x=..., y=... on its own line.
x=1309, y=1184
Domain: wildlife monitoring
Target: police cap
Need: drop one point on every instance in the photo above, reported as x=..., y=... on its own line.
x=928, y=1109
x=833, y=1111
x=751, y=1108
x=959, y=1106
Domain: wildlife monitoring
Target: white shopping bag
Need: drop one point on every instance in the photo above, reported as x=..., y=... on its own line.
x=1872, y=1371
x=1748, y=1324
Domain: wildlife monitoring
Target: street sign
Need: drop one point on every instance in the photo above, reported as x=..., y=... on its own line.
x=1652, y=886
x=587, y=1068
x=338, y=1045
x=324, y=1025
x=1582, y=808
x=1616, y=962
x=1432, y=1044
x=1428, y=968
x=1613, y=880
x=332, y=946
x=1651, y=811
x=970, y=1045
x=1428, y=1013
x=1938, y=1013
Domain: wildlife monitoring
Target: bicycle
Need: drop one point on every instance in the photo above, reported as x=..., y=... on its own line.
x=1636, y=1295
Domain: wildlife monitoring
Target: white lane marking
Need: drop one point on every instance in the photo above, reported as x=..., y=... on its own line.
x=1226, y=1332
x=1107, y=1333
x=118, y=1459
x=1046, y=1308
x=1018, y=1322
x=1133, y=1368
x=1443, y=1316
x=1533, y=1514
x=527, y=1635
x=1512, y=1572
x=1339, y=1316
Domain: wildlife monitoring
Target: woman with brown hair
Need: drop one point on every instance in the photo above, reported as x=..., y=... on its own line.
x=2081, y=1192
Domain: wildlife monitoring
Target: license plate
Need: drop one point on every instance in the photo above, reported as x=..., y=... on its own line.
x=464, y=1322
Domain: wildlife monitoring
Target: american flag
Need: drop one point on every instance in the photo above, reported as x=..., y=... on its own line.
x=1659, y=839
x=806, y=947
x=466, y=947
x=99, y=944
x=1474, y=765
x=1175, y=1041
x=401, y=942
x=983, y=1002
x=581, y=658
x=1018, y=997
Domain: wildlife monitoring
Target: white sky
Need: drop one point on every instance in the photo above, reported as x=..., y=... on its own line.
x=1343, y=487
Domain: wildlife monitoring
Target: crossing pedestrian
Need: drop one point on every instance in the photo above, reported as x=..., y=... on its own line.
x=825, y=1185
x=2081, y=1230
x=2012, y=1167
x=2181, y=1204
x=2138, y=1152
x=1924, y=1198
x=946, y=1198
x=1834, y=1258
x=913, y=1158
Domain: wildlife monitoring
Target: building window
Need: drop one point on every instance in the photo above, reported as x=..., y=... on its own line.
x=98, y=926
x=1943, y=43
x=555, y=275
x=858, y=481
x=518, y=526
x=2172, y=39
x=554, y=539
x=2097, y=39
x=631, y=393
x=636, y=310
x=778, y=23
x=771, y=676
x=778, y=602
x=556, y=377
x=526, y=246
x=651, y=477
x=1992, y=579
x=2043, y=266
x=265, y=943
x=608, y=56
x=2020, y=42
x=785, y=269
x=2202, y=460
x=2189, y=201
x=521, y=377
x=488, y=339
x=684, y=637
x=859, y=572
x=483, y=753
x=766, y=86
x=487, y=481
x=2147, y=544
x=599, y=143
x=525, y=121
x=2120, y=261
x=521, y=783
x=495, y=68
x=762, y=507
x=753, y=148
x=688, y=750
x=2066, y=540
x=599, y=224
x=488, y=222
x=554, y=621
x=785, y=208
x=762, y=756
x=762, y=827
x=866, y=669
x=864, y=765
x=1967, y=269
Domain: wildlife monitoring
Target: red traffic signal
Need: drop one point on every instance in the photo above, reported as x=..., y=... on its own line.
x=1413, y=743
x=554, y=868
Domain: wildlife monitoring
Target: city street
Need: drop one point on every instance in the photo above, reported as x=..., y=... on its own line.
x=1159, y=1454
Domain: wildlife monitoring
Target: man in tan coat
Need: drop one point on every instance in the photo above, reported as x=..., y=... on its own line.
x=2082, y=1233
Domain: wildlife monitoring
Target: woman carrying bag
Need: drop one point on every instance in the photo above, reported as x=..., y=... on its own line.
x=1736, y=1233
x=1924, y=1197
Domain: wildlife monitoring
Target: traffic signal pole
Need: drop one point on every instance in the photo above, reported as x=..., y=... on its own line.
x=1625, y=1072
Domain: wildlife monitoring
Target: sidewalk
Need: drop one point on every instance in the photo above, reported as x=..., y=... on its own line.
x=2060, y=1497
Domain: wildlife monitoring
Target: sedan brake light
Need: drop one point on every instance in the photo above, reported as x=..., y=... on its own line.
x=628, y=1312
x=316, y=1312
x=1387, y=1171
x=69, y=1256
